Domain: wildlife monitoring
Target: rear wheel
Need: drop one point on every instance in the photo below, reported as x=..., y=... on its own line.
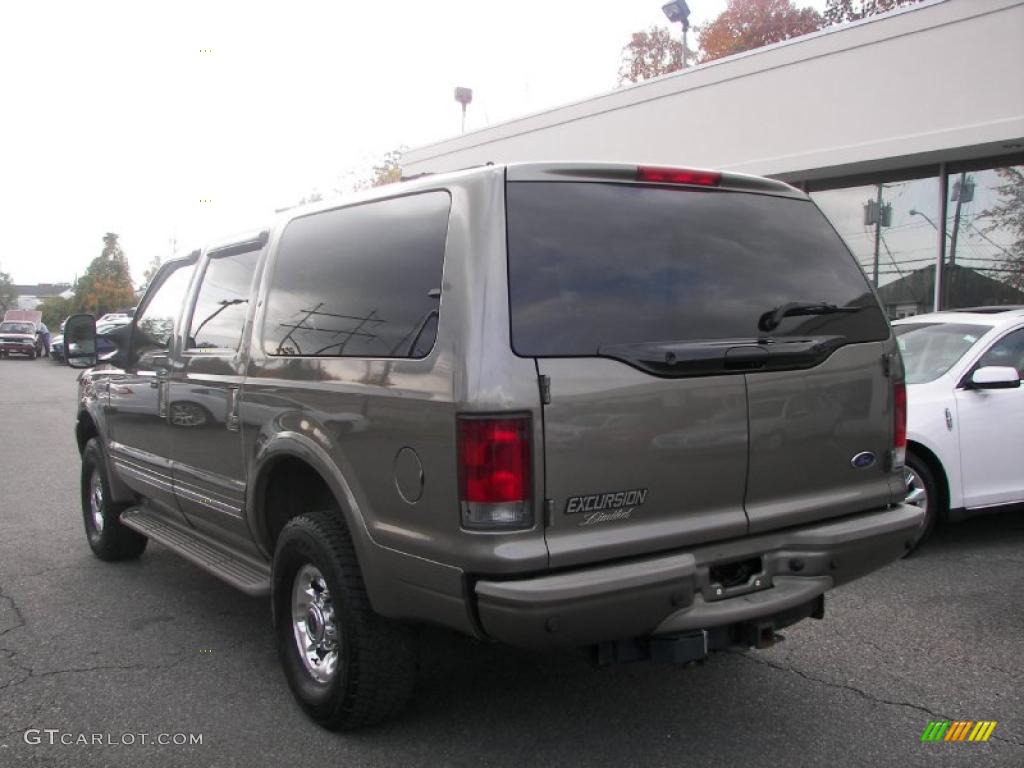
x=347, y=666
x=108, y=538
x=923, y=492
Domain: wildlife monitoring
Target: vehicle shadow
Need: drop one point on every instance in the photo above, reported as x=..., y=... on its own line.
x=993, y=530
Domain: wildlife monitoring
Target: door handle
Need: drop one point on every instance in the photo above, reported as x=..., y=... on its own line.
x=232, y=421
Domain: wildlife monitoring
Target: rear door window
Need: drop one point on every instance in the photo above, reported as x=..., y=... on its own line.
x=593, y=265
x=223, y=301
x=362, y=281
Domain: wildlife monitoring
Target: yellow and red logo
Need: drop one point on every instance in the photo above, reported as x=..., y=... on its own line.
x=958, y=730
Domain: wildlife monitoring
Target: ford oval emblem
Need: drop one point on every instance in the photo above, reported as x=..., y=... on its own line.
x=863, y=460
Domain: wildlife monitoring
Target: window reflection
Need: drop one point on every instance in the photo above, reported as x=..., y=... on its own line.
x=984, y=258
x=360, y=281
x=155, y=324
x=891, y=228
x=222, y=302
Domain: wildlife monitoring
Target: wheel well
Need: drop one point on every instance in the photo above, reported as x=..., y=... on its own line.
x=289, y=488
x=938, y=472
x=85, y=430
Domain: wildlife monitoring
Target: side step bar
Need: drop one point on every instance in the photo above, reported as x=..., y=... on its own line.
x=243, y=573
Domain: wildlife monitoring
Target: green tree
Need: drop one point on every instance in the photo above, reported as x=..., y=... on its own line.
x=55, y=309
x=388, y=170
x=107, y=282
x=650, y=53
x=8, y=295
x=841, y=11
x=1007, y=215
x=748, y=24
x=151, y=269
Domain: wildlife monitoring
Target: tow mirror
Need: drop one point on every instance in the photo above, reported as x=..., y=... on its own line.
x=995, y=377
x=80, y=341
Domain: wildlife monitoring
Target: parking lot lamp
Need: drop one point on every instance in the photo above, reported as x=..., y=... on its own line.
x=679, y=12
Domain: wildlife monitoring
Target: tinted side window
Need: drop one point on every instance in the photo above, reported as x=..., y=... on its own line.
x=223, y=302
x=362, y=281
x=155, y=323
x=1008, y=351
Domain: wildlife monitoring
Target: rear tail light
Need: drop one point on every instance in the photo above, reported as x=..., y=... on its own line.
x=678, y=176
x=494, y=472
x=899, y=441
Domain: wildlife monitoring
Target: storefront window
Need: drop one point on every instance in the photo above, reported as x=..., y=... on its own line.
x=984, y=255
x=891, y=227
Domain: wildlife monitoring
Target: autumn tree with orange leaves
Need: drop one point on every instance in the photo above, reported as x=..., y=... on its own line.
x=748, y=24
x=650, y=53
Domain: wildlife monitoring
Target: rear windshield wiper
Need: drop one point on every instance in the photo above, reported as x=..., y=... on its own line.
x=772, y=319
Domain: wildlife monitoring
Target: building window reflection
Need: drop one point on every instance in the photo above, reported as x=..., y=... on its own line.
x=984, y=253
x=891, y=227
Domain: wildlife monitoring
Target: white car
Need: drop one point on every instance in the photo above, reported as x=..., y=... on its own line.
x=122, y=318
x=965, y=410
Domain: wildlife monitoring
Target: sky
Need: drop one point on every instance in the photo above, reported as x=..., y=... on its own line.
x=172, y=123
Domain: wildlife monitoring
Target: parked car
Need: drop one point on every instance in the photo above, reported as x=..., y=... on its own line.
x=32, y=317
x=537, y=404
x=57, y=347
x=965, y=426
x=19, y=338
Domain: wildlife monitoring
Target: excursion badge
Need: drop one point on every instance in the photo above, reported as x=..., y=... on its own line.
x=605, y=507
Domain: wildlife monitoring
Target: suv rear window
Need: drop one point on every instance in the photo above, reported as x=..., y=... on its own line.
x=594, y=264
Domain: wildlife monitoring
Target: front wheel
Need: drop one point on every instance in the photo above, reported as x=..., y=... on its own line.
x=923, y=492
x=108, y=538
x=347, y=666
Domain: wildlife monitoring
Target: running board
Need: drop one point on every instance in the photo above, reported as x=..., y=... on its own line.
x=245, y=574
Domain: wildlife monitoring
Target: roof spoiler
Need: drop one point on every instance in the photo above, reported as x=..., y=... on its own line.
x=649, y=174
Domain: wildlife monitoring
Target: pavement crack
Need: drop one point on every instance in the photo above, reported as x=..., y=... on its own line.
x=15, y=610
x=33, y=675
x=845, y=686
x=860, y=692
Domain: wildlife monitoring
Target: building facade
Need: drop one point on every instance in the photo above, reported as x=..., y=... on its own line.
x=906, y=128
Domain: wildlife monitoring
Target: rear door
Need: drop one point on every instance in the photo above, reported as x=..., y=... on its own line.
x=204, y=392
x=673, y=419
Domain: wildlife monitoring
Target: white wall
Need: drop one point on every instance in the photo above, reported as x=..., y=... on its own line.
x=941, y=80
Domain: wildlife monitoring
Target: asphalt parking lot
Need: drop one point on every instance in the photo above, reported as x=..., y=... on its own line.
x=159, y=647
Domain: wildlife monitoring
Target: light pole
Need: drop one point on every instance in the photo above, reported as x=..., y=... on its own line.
x=465, y=97
x=926, y=217
x=678, y=11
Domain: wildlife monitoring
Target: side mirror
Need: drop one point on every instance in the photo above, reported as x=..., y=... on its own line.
x=995, y=377
x=80, y=341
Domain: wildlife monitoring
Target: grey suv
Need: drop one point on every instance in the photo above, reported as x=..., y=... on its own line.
x=645, y=412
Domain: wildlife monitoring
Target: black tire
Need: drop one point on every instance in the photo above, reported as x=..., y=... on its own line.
x=376, y=658
x=933, y=500
x=32, y=355
x=108, y=538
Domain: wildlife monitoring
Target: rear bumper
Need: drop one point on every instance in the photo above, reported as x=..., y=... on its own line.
x=17, y=347
x=674, y=594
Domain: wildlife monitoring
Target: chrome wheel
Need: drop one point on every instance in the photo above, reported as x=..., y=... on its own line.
x=314, y=625
x=917, y=492
x=96, y=500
